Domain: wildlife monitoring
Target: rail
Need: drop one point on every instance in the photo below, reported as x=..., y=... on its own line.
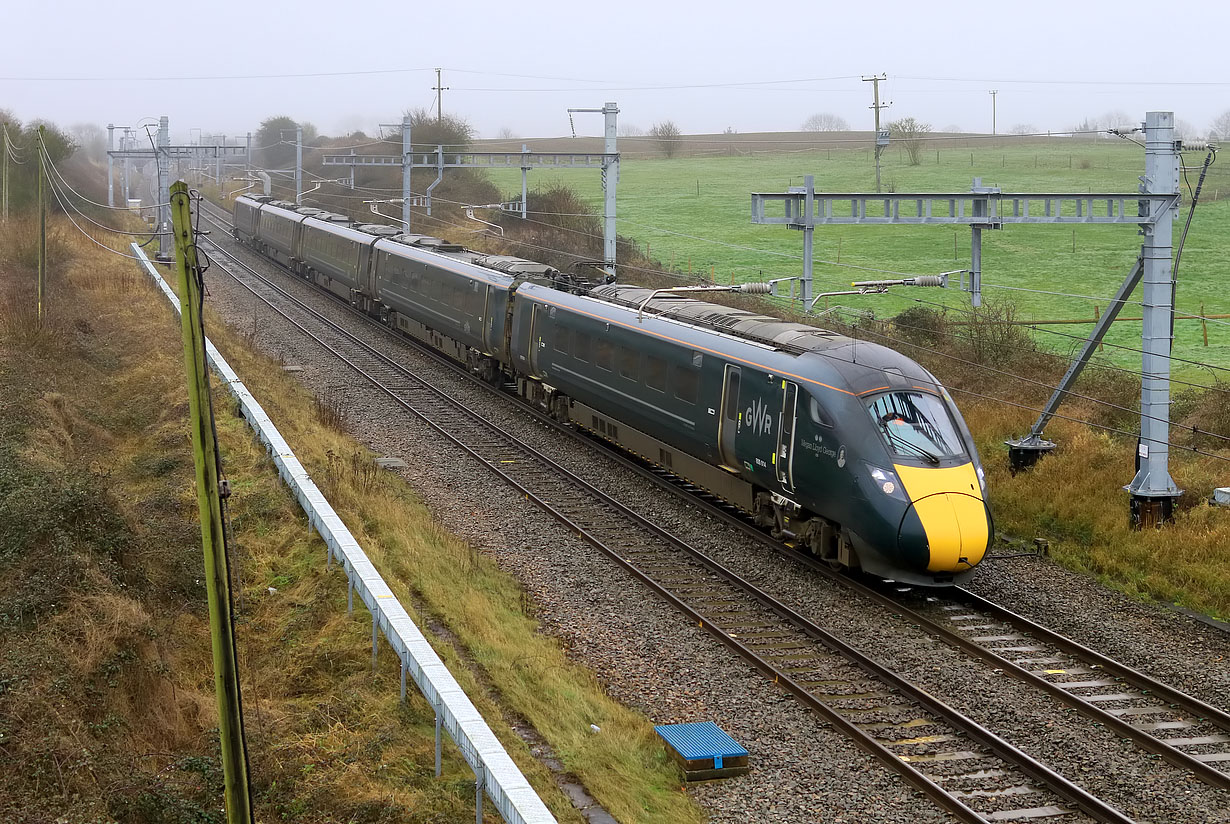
x=494, y=770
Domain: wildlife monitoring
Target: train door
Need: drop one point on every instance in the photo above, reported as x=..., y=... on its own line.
x=486, y=322
x=728, y=423
x=785, y=436
x=535, y=342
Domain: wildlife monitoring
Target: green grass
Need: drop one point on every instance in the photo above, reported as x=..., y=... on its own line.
x=658, y=197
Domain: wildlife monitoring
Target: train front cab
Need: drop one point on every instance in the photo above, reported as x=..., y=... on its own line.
x=935, y=480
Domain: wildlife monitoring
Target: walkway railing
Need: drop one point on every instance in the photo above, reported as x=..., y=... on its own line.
x=494, y=770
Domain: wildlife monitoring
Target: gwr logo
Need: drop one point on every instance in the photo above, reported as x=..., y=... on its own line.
x=758, y=418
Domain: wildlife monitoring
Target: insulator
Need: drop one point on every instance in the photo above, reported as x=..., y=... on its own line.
x=928, y=280
x=756, y=288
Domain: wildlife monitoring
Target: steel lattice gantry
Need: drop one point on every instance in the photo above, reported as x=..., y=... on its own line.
x=607, y=162
x=1152, y=210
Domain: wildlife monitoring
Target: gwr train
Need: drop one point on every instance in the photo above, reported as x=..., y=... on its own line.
x=851, y=449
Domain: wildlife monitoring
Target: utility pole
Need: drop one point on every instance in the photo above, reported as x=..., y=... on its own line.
x=610, y=181
x=110, y=164
x=874, y=80
x=1153, y=491
x=993, y=92
x=165, y=240
x=210, y=495
x=298, y=163
x=439, y=90
x=4, y=185
x=407, y=163
x=42, y=221
x=125, y=145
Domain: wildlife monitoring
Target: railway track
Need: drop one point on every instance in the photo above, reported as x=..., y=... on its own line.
x=964, y=767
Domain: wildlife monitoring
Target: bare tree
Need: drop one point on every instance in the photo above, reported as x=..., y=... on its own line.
x=1089, y=124
x=91, y=140
x=1220, y=128
x=952, y=128
x=506, y=133
x=1023, y=128
x=909, y=132
x=630, y=130
x=666, y=134
x=1119, y=119
x=1184, y=130
x=825, y=122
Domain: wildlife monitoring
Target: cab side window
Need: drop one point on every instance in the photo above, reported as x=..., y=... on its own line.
x=818, y=413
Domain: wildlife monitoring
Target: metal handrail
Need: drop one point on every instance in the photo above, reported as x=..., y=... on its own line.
x=494, y=770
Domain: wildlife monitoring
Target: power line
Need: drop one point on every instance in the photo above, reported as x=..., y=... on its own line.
x=1015, y=376
x=87, y=235
x=1092, y=365
x=1081, y=339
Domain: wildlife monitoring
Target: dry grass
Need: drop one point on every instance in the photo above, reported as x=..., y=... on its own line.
x=106, y=704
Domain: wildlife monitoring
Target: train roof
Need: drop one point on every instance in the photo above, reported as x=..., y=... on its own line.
x=863, y=367
x=796, y=338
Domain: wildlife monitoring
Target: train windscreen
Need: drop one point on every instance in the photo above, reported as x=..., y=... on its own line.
x=916, y=425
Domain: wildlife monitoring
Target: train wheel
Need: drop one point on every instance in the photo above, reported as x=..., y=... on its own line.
x=560, y=409
x=764, y=513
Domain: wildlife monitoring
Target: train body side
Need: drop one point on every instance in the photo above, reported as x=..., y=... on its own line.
x=336, y=257
x=432, y=292
x=793, y=429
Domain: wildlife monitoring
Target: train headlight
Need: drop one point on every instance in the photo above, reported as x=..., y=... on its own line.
x=982, y=480
x=887, y=482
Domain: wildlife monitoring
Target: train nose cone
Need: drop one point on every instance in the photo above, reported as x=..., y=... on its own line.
x=957, y=529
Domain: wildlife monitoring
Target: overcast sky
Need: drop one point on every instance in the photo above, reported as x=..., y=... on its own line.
x=519, y=66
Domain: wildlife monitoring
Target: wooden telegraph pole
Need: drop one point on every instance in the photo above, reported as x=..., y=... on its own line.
x=209, y=502
x=42, y=221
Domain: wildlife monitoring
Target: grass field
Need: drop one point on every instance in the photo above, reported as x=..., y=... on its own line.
x=694, y=214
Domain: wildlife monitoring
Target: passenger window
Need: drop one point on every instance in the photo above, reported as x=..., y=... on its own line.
x=605, y=355
x=655, y=373
x=629, y=362
x=818, y=414
x=687, y=383
x=561, y=341
x=580, y=345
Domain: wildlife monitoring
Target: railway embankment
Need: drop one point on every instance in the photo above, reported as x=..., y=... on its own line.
x=106, y=703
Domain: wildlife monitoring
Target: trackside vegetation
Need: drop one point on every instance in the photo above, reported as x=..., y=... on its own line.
x=106, y=694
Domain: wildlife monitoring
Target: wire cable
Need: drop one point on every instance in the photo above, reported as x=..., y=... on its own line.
x=1091, y=364
x=1044, y=384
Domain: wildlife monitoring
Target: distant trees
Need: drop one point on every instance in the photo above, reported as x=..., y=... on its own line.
x=952, y=128
x=825, y=122
x=428, y=130
x=1220, y=128
x=909, y=133
x=666, y=133
x=91, y=139
x=1119, y=119
x=1023, y=128
x=23, y=177
x=630, y=130
x=275, y=141
x=505, y=133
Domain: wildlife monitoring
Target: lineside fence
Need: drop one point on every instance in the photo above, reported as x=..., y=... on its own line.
x=494, y=770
